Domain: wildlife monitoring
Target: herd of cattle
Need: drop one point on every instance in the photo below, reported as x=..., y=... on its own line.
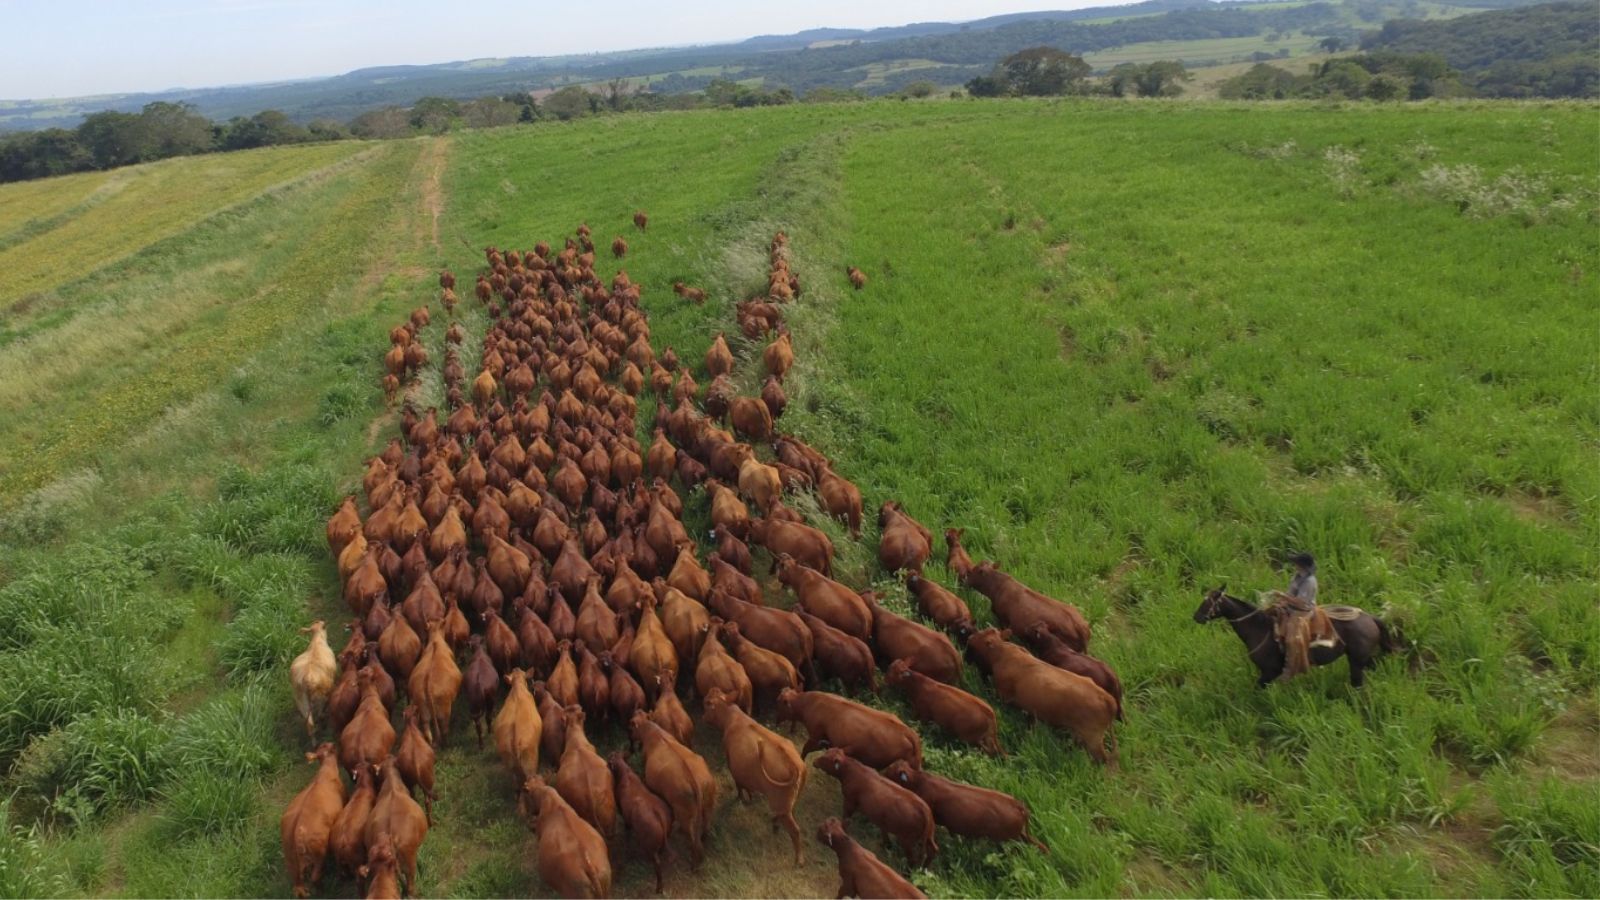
x=528, y=556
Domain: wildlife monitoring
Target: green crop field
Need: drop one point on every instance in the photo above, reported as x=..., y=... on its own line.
x=1136, y=350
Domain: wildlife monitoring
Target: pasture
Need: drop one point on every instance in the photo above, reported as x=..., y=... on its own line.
x=1136, y=350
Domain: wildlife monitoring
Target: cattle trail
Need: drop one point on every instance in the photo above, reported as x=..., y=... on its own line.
x=524, y=540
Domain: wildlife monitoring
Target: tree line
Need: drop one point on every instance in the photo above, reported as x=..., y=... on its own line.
x=108, y=140
x=1052, y=72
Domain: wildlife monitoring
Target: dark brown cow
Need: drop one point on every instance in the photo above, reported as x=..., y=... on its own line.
x=967, y=810
x=873, y=736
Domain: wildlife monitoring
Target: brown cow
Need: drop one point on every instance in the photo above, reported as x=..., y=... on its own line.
x=775, y=629
x=751, y=418
x=343, y=526
x=518, y=728
x=573, y=859
x=809, y=547
x=769, y=672
x=381, y=872
x=434, y=684
x=1054, y=696
x=905, y=543
x=653, y=656
x=481, y=685
x=840, y=655
x=873, y=736
x=966, y=717
x=760, y=483
x=861, y=874
x=670, y=714
x=368, y=737
x=687, y=576
x=594, y=688
x=957, y=560
x=841, y=499
x=734, y=550
x=627, y=695
x=718, y=670
x=648, y=817
x=773, y=396
x=681, y=777
x=900, y=814
x=583, y=779
x=414, y=758
x=399, y=647
x=826, y=599
x=762, y=762
x=553, y=716
x=1055, y=651
x=938, y=603
x=897, y=637
x=778, y=356
x=719, y=359
x=728, y=512
x=348, y=839
x=967, y=810
x=398, y=819
x=308, y=822
x=683, y=618
x=727, y=578
x=1018, y=606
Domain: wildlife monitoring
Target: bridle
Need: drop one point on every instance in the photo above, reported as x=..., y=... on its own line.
x=1213, y=611
x=1213, y=603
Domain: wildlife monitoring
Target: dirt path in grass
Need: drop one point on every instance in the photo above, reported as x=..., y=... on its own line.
x=413, y=240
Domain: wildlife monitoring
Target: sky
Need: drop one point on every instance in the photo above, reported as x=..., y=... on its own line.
x=50, y=48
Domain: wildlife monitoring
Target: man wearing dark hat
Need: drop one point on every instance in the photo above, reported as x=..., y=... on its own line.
x=1295, y=611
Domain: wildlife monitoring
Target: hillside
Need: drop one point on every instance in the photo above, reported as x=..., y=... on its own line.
x=1552, y=49
x=1136, y=351
x=877, y=61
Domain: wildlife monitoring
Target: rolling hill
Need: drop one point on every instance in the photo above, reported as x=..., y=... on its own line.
x=946, y=53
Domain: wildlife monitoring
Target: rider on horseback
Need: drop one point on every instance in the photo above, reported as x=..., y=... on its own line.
x=1299, y=626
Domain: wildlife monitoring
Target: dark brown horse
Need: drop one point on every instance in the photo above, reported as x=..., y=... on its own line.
x=1361, y=638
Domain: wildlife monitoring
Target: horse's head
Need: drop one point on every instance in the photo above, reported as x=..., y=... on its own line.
x=1211, y=607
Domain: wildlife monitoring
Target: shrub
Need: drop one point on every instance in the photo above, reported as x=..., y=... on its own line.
x=204, y=803
x=100, y=761
x=234, y=735
x=338, y=403
x=23, y=870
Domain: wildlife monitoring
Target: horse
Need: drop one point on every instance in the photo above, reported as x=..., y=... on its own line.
x=1362, y=636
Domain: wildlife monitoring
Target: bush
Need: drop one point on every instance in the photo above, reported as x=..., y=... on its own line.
x=204, y=803
x=100, y=761
x=280, y=509
x=23, y=872
x=340, y=402
x=235, y=735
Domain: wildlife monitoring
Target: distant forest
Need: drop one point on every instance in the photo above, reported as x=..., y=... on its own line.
x=1550, y=50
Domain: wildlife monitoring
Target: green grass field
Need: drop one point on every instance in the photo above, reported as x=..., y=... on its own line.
x=1135, y=349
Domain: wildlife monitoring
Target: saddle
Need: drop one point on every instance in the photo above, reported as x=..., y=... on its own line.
x=1299, y=633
